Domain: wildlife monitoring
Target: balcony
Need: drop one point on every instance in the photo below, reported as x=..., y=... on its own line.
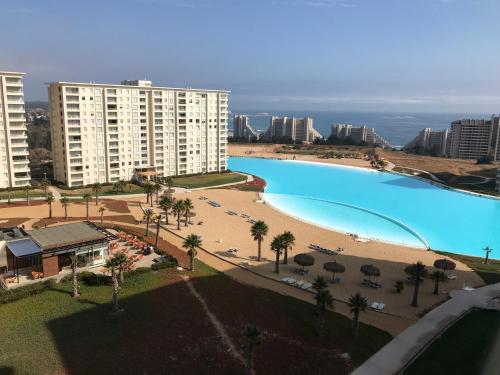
x=14, y=90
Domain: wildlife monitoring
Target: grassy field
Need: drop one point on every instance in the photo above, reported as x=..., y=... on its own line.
x=462, y=349
x=21, y=194
x=164, y=329
x=106, y=190
x=490, y=272
x=208, y=180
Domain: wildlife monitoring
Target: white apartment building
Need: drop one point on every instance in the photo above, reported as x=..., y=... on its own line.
x=106, y=132
x=14, y=162
x=434, y=141
x=242, y=128
x=296, y=129
x=358, y=134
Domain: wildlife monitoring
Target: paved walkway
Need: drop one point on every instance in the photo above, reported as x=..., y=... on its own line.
x=411, y=342
x=55, y=192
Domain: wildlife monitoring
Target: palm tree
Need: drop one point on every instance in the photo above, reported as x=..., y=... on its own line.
x=259, y=231
x=289, y=240
x=169, y=181
x=8, y=189
x=148, y=215
x=157, y=218
x=45, y=185
x=27, y=190
x=96, y=188
x=277, y=246
x=438, y=277
x=166, y=204
x=114, y=264
x=87, y=197
x=178, y=210
x=418, y=273
x=157, y=188
x=319, y=283
x=65, y=203
x=324, y=300
x=50, y=198
x=123, y=262
x=191, y=243
x=188, y=206
x=101, y=211
x=488, y=250
x=253, y=337
x=74, y=279
x=357, y=303
x=149, y=189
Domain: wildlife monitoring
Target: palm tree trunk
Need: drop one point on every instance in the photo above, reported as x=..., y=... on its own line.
x=157, y=234
x=147, y=227
x=115, y=290
x=192, y=261
x=259, y=247
x=147, y=198
x=285, y=256
x=436, y=287
x=250, y=353
x=8, y=198
x=87, y=210
x=166, y=217
x=186, y=219
x=102, y=217
x=179, y=221
x=414, y=302
x=355, y=324
x=50, y=211
x=277, y=264
x=46, y=192
x=65, y=213
x=151, y=200
x=122, y=275
x=157, y=194
x=74, y=278
x=27, y=198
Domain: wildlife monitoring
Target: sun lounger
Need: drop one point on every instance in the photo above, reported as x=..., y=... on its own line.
x=306, y=286
x=452, y=277
x=375, y=305
x=381, y=306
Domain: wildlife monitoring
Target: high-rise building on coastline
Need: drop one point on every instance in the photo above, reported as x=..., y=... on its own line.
x=14, y=162
x=429, y=141
x=358, y=135
x=474, y=139
x=242, y=128
x=291, y=128
x=111, y=132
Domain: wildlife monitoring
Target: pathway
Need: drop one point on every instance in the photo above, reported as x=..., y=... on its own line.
x=408, y=345
x=55, y=192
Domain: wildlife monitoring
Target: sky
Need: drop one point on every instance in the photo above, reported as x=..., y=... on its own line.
x=343, y=55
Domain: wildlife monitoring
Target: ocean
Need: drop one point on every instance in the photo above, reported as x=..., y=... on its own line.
x=397, y=128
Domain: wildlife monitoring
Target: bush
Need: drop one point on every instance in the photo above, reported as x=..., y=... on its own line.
x=16, y=294
x=92, y=279
x=138, y=271
x=167, y=261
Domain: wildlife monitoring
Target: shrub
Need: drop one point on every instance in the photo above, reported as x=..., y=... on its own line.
x=92, y=279
x=138, y=271
x=21, y=292
x=168, y=261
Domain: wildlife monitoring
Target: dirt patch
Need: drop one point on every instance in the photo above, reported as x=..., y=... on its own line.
x=112, y=205
x=14, y=222
x=22, y=204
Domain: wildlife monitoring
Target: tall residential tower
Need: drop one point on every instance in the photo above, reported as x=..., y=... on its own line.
x=106, y=133
x=14, y=162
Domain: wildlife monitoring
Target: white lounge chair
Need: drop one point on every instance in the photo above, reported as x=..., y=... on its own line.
x=375, y=305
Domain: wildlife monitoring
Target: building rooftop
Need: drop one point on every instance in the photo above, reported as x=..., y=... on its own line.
x=12, y=73
x=65, y=235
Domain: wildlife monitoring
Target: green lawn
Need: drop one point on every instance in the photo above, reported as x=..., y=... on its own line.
x=164, y=328
x=462, y=349
x=208, y=180
x=20, y=194
x=490, y=272
x=106, y=190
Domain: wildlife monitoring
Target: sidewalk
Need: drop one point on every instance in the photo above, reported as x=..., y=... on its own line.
x=404, y=348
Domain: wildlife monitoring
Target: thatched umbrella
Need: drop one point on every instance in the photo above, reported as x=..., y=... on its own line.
x=304, y=260
x=370, y=270
x=334, y=267
x=445, y=264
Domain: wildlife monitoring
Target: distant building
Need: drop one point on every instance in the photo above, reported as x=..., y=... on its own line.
x=429, y=141
x=474, y=139
x=358, y=135
x=242, y=128
x=296, y=129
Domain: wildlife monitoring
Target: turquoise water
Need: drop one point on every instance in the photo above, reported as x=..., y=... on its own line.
x=378, y=205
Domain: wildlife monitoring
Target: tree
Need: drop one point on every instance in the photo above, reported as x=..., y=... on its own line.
x=169, y=181
x=253, y=337
x=438, y=277
x=166, y=204
x=277, y=246
x=188, y=206
x=87, y=197
x=27, y=190
x=101, y=211
x=157, y=218
x=148, y=189
x=65, y=203
x=488, y=250
x=9, y=190
x=259, y=231
x=418, y=273
x=114, y=264
x=399, y=286
x=96, y=188
x=74, y=279
x=45, y=185
x=289, y=242
x=324, y=300
x=50, y=198
x=319, y=283
x=357, y=303
x=122, y=264
x=178, y=210
x=191, y=243
x=157, y=188
x=148, y=216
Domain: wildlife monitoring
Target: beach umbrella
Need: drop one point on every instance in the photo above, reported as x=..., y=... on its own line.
x=370, y=270
x=304, y=260
x=334, y=267
x=445, y=264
